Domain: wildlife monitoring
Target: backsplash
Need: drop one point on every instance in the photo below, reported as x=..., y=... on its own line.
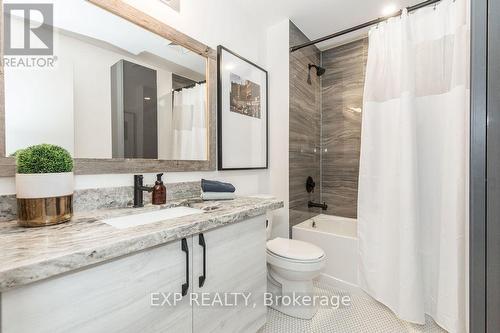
x=103, y=198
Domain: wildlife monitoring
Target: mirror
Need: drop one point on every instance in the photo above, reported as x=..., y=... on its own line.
x=113, y=90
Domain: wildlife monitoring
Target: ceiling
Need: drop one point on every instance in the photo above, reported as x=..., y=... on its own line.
x=318, y=18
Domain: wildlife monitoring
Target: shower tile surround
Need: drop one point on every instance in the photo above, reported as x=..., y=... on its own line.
x=342, y=102
x=304, y=155
x=105, y=198
x=325, y=127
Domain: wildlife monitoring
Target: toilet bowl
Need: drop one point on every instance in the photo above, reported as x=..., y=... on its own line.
x=292, y=266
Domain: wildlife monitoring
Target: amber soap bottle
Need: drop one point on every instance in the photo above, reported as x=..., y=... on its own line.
x=159, y=191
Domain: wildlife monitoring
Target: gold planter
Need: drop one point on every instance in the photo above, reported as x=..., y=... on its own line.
x=44, y=198
x=44, y=211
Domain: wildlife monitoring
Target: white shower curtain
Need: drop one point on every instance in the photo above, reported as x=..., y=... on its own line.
x=413, y=169
x=189, y=125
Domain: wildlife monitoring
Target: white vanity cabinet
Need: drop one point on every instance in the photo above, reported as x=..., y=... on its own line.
x=115, y=296
x=112, y=297
x=235, y=263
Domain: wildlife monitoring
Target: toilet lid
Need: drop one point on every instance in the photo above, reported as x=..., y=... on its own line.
x=294, y=249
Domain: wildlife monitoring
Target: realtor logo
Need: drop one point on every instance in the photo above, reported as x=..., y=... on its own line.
x=32, y=34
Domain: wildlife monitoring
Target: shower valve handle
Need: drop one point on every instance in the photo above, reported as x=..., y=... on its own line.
x=310, y=184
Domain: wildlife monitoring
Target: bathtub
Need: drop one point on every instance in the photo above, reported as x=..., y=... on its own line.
x=337, y=236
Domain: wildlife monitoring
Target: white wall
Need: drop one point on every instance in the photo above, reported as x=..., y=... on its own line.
x=223, y=22
x=278, y=60
x=43, y=118
x=213, y=22
x=164, y=90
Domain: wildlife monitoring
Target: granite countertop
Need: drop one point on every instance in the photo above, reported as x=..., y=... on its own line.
x=32, y=254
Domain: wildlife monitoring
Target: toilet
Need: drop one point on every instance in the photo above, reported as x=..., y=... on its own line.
x=291, y=267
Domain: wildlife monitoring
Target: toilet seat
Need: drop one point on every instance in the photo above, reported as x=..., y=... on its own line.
x=278, y=257
x=294, y=250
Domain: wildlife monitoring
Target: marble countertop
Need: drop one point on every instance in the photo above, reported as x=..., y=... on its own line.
x=32, y=254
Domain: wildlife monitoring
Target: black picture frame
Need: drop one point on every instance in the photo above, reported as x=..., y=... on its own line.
x=220, y=50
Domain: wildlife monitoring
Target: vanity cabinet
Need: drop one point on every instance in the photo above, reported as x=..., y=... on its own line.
x=235, y=263
x=115, y=296
x=111, y=297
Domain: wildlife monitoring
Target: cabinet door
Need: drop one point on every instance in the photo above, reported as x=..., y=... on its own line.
x=111, y=297
x=235, y=262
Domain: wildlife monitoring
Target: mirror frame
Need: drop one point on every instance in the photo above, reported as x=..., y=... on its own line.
x=90, y=166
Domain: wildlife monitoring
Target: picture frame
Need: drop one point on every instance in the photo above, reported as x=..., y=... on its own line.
x=242, y=113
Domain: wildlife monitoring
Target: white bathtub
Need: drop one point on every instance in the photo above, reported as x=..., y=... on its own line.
x=337, y=236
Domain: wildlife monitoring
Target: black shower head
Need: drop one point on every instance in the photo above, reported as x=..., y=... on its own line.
x=319, y=71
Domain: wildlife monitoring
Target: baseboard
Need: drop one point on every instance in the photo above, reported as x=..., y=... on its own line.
x=340, y=284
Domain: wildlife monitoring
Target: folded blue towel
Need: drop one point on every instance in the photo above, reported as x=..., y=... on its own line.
x=216, y=186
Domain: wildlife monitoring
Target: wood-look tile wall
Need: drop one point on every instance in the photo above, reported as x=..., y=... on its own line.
x=304, y=128
x=342, y=102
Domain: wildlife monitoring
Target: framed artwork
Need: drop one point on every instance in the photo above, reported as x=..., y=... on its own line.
x=242, y=121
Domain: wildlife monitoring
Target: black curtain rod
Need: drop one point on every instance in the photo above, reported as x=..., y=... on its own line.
x=190, y=85
x=362, y=26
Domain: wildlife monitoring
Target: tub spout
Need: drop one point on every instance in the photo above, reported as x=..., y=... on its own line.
x=323, y=206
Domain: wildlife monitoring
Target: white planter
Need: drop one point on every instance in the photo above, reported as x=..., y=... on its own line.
x=44, y=185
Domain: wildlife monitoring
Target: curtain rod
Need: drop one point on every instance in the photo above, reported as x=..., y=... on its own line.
x=190, y=85
x=362, y=26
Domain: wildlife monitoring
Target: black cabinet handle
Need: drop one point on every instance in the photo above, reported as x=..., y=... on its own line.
x=201, y=242
x=185, y=248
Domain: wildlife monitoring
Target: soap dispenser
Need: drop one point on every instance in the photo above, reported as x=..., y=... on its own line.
x=159, y=191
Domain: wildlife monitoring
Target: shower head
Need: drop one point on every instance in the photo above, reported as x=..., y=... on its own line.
x=319, y=71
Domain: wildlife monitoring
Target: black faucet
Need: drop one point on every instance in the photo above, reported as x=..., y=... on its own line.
x=139, y=188
x=323, y=206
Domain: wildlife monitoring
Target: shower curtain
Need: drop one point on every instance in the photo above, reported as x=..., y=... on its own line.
x=189, y=126
x=412, y=195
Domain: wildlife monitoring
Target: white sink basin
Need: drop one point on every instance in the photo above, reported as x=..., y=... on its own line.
x=128, y=221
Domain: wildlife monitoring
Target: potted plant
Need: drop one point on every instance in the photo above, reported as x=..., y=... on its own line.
x=44, y=185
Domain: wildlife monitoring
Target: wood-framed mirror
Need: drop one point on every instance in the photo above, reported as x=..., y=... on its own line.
x=120, y=90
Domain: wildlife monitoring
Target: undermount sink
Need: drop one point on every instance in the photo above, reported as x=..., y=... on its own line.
x=128, y=221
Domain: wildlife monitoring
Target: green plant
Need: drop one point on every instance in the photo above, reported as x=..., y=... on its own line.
x=44, y=158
